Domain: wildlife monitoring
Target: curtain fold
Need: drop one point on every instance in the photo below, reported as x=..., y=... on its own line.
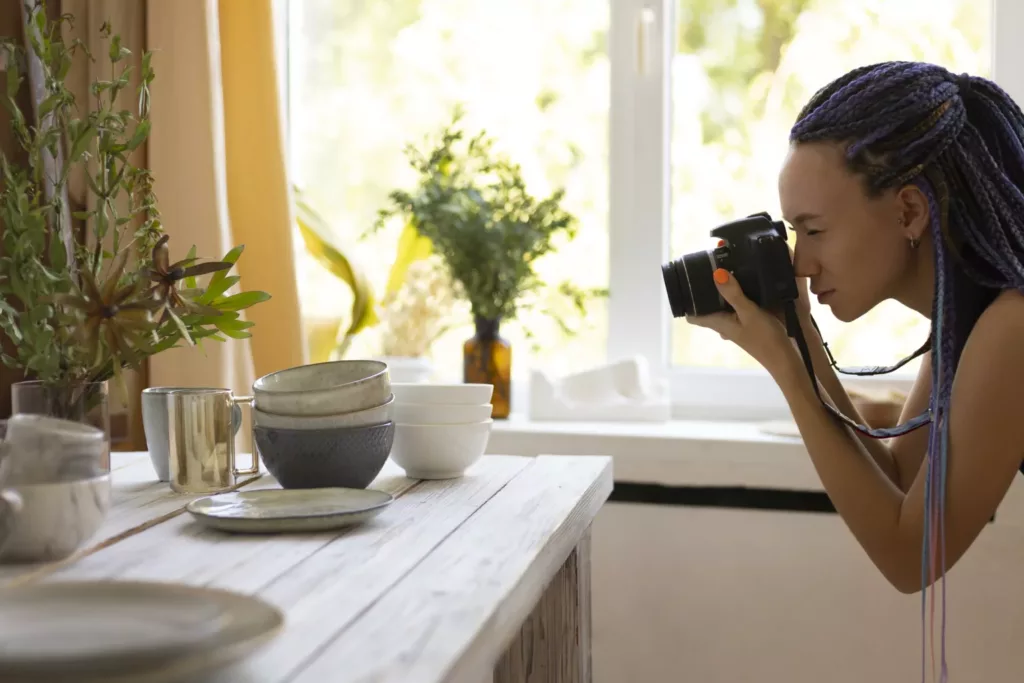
x=258, y=190
x=217, y=153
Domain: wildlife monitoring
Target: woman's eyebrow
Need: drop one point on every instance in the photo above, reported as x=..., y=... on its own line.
x=801, y=218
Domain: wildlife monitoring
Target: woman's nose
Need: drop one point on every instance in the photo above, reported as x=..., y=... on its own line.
x=803, y=264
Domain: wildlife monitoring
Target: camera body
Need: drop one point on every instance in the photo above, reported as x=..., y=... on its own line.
x=753, y=249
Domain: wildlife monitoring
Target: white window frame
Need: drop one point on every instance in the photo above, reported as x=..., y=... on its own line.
x=640, y=210
x=641, y=44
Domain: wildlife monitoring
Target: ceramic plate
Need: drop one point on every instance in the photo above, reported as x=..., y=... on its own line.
x=278, y=510
x=123, y=630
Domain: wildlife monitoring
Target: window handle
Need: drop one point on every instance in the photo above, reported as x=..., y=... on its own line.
x=644, y=28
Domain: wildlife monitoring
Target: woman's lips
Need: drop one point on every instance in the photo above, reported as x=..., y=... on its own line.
x=824, y=296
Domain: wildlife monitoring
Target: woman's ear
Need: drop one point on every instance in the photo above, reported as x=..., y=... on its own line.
x=914, y=212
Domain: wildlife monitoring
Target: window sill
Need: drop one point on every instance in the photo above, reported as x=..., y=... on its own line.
x=675, y=453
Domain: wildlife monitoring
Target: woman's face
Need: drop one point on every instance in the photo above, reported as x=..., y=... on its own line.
x=852, y=247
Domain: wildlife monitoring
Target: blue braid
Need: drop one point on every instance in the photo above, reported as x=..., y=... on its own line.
x=960, y=139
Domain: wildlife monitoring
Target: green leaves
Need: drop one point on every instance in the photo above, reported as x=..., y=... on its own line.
x=242, y=301
x=474, y=207
x=139, y=136
x=86, y=317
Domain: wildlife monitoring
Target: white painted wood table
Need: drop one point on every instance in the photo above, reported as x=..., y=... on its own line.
x=480, y=578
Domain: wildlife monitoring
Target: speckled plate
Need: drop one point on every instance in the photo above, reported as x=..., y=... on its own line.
x=284, y=510
x=119, y=631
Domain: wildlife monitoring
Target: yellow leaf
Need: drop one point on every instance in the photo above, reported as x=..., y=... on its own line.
x=316, y=236
x=411, y=247
x=322, y=336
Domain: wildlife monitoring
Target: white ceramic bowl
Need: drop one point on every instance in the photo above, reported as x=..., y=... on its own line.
x=56, y=519
x=332, y=388
x=439, y=451
x=433, y=392
x=361, y=418
x=440, y=413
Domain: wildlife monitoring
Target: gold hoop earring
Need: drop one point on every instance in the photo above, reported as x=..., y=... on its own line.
x=914, y=242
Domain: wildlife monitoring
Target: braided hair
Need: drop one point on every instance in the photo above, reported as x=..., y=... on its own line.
x=960, y=139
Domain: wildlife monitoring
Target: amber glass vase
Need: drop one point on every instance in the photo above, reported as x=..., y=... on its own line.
x=487, y=359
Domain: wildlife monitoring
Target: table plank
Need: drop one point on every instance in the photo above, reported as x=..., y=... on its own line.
x=121, y=459
x=138, y=500
x=180, y=549
x=322, y=581
x=554, y=645
x=453, y=617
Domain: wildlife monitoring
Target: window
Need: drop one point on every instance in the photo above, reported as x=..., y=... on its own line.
x=663, y=118
x=368, y=78
x=738, y=83
x=711, y=88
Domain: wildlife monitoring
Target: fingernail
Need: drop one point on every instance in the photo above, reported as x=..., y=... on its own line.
x=721, y=243
x=721, y=276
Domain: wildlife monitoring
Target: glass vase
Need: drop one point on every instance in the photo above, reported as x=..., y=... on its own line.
x=86, y=402
x=487, y=359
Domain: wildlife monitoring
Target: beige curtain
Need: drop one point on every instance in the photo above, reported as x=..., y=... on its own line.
x=217, y=153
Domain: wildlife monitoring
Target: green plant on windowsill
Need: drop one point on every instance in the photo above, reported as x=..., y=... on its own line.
x=88, y=293
x=490, y=231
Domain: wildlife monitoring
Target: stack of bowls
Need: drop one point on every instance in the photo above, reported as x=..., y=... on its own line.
x=325, y=424
x=440, y=429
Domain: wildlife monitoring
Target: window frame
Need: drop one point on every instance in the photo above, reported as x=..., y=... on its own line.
x=639, y=227
x=641, y=44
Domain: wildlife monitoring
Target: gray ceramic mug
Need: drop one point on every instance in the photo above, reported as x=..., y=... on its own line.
x=54, y=489
x=156, y=424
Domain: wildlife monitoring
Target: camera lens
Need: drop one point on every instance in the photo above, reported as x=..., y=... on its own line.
x=689, y=284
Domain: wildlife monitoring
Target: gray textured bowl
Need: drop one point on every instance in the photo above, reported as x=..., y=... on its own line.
x=347, y=457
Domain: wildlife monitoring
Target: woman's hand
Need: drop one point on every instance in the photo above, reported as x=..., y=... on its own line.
x=758, y=332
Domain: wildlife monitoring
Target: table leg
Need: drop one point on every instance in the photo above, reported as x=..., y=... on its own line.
x=553, y=645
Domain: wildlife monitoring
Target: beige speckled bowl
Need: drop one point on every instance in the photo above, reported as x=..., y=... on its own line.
x=360, y=418
x=332, y=388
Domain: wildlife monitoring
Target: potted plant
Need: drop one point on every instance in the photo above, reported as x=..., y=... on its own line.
x=86, y=292
x=413, y=313
x=413, y=316
x=473, y=205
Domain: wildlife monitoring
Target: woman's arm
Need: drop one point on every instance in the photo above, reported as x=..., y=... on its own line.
x=837, y=396
x=908, y=451
x=985, y=451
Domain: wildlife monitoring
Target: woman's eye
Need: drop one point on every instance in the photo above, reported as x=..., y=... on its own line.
x=812, y=233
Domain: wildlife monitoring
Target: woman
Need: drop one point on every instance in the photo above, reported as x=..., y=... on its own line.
x=904, y=181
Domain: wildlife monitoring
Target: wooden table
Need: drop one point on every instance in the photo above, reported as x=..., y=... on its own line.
x=480, y=578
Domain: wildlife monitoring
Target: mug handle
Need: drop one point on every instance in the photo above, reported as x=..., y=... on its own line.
x=236, y=422
x=10, y=508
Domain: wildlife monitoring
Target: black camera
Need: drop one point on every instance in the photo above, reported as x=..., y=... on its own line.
x=753, y=249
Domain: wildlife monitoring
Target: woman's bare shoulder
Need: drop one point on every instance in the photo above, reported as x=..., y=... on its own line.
x=987, y=403
x=1003, y=320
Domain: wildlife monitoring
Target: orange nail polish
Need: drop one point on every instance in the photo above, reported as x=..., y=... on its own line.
x=721, y=243
x=721, y=276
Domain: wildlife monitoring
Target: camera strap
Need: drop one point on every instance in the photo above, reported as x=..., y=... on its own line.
x=871, y=369
x=796, y=332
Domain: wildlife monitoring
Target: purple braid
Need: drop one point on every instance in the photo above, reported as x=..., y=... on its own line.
x=960, y=139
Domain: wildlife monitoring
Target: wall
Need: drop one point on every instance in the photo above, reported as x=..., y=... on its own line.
x=726, y=596
x=717, y=595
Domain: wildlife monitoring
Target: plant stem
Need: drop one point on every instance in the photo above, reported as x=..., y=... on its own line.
x=52, y=188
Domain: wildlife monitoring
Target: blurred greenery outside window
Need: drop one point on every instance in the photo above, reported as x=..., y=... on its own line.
x=366, y=77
